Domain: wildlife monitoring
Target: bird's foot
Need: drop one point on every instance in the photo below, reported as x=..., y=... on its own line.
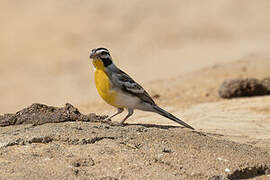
x=106, y=120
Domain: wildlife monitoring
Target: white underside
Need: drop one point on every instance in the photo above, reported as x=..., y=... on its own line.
x=127, y=101
x=132, y=102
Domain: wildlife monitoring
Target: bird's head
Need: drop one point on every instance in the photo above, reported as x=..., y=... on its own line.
x=101, y=57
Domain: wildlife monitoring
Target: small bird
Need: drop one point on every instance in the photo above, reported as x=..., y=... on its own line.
x=120, y=90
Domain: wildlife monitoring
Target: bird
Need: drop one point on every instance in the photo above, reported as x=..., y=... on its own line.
x=118, y=89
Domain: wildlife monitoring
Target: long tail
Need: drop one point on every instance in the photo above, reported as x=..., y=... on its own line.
x=168, y=115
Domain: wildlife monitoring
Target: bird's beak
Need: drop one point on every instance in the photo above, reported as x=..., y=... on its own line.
x=92, y=55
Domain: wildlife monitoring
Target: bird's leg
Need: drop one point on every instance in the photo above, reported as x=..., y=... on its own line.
x=119, y=110
x=130, y=112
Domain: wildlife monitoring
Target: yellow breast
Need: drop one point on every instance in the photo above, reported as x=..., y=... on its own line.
x=103, y=86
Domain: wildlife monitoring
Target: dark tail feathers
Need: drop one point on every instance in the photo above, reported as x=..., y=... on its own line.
x=170, y=116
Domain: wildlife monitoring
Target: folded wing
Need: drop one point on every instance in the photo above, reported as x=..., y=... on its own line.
x=126, y=83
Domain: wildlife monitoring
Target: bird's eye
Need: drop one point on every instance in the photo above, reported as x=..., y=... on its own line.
x=104, y=53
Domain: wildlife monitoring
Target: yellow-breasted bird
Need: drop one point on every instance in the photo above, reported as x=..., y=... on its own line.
x=120, y=90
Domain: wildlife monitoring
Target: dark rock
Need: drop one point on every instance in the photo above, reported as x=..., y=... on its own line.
x=76, y=171
x=249, y=172
x=83, y=162
x=109, y=178
x=219, y=177
x=156, y=96
x=166, y=150
x=244, y=88
x=266, y=84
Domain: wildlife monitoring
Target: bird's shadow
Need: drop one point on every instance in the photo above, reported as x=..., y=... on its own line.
x=166, y=127
x=154, y=126
x=162, y=127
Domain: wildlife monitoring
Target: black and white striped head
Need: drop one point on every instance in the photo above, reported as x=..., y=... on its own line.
x=101, y=54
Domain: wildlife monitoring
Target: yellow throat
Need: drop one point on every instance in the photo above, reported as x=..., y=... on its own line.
x=103, y=83
x=98, y=64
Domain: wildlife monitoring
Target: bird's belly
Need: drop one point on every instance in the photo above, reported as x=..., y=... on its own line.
x=127, y=101
x=103, y=86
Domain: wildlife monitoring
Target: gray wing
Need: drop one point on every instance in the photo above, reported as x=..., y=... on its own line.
x=126, y=83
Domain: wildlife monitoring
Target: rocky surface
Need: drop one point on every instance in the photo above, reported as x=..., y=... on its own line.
x=38, y=114
x=80, y=149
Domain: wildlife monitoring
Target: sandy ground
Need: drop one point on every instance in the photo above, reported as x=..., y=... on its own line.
x=181, y=51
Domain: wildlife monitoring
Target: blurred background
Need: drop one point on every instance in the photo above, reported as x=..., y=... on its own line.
x=45, y=45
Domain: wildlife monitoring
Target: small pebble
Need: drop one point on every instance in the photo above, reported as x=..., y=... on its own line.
x=166, y=150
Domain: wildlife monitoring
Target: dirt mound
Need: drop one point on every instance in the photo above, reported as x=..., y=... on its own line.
x=244, y=87
x=95, y=150
x=38, y=114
